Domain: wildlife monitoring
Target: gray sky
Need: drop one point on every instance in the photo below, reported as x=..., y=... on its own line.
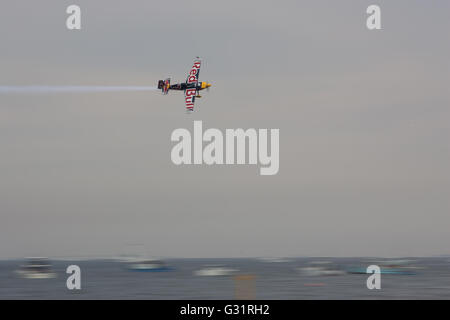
x=363, y=118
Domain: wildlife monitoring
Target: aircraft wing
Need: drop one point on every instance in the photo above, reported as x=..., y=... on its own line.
x=194, y=73
x=191, y=82
x=189, y=97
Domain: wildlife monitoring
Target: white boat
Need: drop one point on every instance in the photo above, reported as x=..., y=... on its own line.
x=36, y=268
x=147, y=265
x=320, y=271
x=274, y=260
x=320, y=268
x=214, y=271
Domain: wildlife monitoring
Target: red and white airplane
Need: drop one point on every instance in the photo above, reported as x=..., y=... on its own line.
x=191, y=87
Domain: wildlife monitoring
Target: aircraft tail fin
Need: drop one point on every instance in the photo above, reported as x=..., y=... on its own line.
x=164, y=85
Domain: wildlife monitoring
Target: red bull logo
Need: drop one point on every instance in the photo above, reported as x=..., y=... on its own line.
x=189, y=98
x=193, y=74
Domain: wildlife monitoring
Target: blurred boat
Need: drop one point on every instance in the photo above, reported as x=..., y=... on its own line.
x=383, y=270
x=36, y=268
x=137, y=259
x=149, y=265
x=320, y=271
x=399, y=267
x=274, y=260
x=321, y=268
x=215, y=270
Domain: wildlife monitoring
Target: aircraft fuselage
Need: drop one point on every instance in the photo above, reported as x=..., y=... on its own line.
x=183, y=86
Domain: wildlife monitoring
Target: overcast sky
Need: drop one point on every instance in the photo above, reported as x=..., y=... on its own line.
x=363, y=115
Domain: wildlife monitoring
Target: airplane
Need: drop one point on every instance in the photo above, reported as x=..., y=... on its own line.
x=191, y=87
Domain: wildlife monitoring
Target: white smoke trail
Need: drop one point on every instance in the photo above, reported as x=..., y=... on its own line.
x=69, y=89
